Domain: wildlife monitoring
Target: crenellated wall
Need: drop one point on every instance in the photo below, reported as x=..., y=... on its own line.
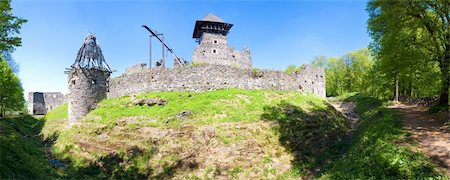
x=138, y=79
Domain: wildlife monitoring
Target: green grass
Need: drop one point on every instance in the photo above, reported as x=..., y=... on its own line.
x=58, y=121
x=381, y=148
x=209, y=107
x=231, y=134
x=260, y=129
x=21, y=153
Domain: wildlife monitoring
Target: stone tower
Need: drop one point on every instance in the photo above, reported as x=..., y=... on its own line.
x=211, y=34
x=88, y=79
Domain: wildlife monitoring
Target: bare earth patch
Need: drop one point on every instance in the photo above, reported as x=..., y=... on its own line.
x=348, y=110
x=429, y=131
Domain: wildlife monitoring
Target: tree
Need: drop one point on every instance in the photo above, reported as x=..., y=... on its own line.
x=9, y=27
x=407, y=34
x=11, y=92
x=346, y=73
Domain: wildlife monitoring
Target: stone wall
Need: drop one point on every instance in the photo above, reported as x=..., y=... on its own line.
x=40, y=103
x=213, y=49
x=87, y=87
x=210, y=77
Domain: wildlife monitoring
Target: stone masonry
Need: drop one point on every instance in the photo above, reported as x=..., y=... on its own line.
x=210, y=33
x=213, y=49
x=39, y=103
x=87, y=87
x=215, y=66
x=88, y=79
x=206, y=77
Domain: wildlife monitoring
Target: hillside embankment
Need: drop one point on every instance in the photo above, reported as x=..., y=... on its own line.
x=218, y=134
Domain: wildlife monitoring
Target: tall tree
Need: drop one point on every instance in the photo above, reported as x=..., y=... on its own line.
x=11, y=92
x=407, y=32
x=9, y=28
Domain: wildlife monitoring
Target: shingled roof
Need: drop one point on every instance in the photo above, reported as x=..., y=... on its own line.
x=212, y=18
x=212, y=24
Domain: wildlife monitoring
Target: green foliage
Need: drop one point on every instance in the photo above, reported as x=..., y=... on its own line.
x=380, y=148
x=439, y=108
x=9, y=27
x=347, y=73
x=292, y=69
x=411, y=44
x=11, y=92
x=21, y=153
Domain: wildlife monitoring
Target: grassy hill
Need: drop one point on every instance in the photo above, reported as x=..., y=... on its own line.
x=216, y=134
x=21, y=153
x=223, y=133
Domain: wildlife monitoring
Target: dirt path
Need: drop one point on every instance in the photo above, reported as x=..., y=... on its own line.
x=429, y=131
x=348, y=110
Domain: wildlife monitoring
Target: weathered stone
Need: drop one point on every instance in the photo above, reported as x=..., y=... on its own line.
x=211, y=77
x=88, y=79
x=210, y=32
x=183, y=114
x=40, y=103
x=150, y=102
x=87, y=87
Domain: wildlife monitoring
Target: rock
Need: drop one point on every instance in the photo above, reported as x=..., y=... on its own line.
x=150, y=102
x=183, y=114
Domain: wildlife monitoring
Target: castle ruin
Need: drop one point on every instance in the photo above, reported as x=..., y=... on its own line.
x=88, y=79
x=40, y=103
x=211, y=34
x=215, y=66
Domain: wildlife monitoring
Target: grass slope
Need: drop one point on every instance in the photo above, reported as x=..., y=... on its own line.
x=381, y=148
x=21, y=152
x=230, y=133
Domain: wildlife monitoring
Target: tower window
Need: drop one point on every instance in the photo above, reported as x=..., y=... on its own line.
x=215, y=41
x=214, y=51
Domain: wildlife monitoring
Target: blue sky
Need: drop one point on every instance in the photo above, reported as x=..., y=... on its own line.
x=278, y=33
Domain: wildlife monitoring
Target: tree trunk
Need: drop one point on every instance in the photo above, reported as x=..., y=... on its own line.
x=443, y=98
x=396, y=88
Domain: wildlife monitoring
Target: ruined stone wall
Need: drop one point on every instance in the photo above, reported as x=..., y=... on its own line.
x=312, y=80
x=213, y=49
x=211, y=77
x=40, y=103
x=87, y=87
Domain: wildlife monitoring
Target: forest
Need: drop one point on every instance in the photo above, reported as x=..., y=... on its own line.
x=409, y=56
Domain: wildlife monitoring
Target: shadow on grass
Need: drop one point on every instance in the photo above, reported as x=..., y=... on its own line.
x=112, y=166
x=314, y=137
x=22, y=154
x=380, y=148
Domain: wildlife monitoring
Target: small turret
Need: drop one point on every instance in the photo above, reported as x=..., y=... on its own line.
x=88, y=79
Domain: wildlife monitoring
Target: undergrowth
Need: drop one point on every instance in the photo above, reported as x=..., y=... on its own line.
x=381, y=148
x=21, y=153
